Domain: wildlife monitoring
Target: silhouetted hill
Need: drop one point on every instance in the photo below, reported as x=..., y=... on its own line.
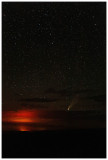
x=88, y=143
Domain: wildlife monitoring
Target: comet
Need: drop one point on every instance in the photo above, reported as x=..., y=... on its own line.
x=73, y=102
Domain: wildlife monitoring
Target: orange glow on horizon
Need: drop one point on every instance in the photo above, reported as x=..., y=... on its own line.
x=21, y=120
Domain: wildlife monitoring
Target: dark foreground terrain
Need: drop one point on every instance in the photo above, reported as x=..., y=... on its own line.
x=90, y=143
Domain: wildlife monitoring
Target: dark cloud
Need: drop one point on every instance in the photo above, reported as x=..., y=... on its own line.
x=41, y=100
x=63, y=92
x=99, y=98
x=67, y=91
x=33, y=106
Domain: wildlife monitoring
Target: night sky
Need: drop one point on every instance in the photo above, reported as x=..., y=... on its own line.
x=53, y=55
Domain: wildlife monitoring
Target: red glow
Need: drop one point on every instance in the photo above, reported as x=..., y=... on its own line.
x=21, y=116
x=22, y=119
x=24, y=113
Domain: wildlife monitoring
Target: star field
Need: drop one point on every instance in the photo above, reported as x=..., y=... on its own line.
x=59, y=47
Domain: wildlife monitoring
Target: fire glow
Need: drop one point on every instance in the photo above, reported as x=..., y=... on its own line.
x=28, y=120
x=21, y=116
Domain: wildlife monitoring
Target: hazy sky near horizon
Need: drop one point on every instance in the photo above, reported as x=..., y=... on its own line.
x=53, y=55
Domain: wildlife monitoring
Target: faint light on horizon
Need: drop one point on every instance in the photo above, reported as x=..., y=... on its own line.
x=23, y=128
